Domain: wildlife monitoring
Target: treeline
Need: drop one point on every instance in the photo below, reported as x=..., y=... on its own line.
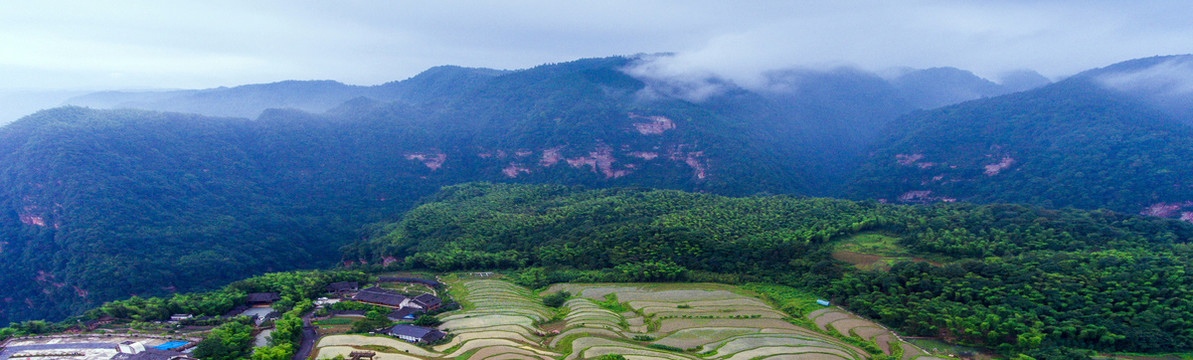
x=1018, y=279
x=295, y=289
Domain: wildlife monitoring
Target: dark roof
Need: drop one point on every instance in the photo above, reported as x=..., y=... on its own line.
x=263, y=297
x=152, y=354
x=426, y=334
x=401, y=313
x=427, y=300
x=342, y=286
x=378, y=295
x=236, y=311
x=408, y=280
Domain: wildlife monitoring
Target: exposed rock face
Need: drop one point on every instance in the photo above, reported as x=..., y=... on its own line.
x=513, y=170
x=654, y=125
x=994, y=169
x=432, y=160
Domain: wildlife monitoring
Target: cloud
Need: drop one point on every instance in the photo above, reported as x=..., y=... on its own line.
x=168, y=44
x=1169, y=78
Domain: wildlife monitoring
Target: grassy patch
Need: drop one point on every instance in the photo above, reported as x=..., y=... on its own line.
x=795, y=302
x=612, y=304
x=333, y=321
x=872, y=244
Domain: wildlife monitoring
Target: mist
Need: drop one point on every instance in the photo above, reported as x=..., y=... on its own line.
x=60, y=45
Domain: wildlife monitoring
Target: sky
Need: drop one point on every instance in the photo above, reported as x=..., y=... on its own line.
x=57, y=46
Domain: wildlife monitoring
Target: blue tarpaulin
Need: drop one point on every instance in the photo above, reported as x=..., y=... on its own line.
x=822, y=302
x=170, y=345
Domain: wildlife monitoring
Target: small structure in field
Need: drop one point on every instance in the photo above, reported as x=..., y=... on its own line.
x=415, y=334
x=822, y=302
x=357, y=355
x=259, y=299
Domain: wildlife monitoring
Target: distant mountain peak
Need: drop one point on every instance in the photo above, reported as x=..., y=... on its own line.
x=1165, y=82
x=1022, y=80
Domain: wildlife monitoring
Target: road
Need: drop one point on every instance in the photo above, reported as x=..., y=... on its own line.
x=308, y=339
x=9, y=351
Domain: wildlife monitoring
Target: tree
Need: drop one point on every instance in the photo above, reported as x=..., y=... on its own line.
x=279, y=352
x=427, y=320
x=229, y=341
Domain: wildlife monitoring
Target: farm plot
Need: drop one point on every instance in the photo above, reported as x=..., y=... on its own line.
x=785, y=342
x=676, y=324
x=593, y=347
x=722, y=323
x=328, y=352
x=690, y=338
x=361, y=340
x=506, y=352
x=500, y=323
x=819, y=353
x=584, y=313
x=637, y=321
x=486, y=334
x=848, y=324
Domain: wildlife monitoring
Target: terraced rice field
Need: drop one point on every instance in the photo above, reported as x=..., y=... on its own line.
x=500, y=321
x=847, y=324
x=498, y=325
x=687, y=321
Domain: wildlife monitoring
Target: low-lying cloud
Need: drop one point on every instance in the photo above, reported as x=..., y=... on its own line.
x=1169, y=78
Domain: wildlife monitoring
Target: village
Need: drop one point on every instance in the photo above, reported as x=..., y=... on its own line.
x=483, y=316
x=400, y=300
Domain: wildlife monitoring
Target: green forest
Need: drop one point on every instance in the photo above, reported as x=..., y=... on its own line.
x=1071, y=144
x=1016, y=278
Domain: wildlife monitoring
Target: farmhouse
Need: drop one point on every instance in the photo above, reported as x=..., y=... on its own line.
x=256, y=299
x=379, y=296
x=415, y=334
x=342, y=287
x=427, y=302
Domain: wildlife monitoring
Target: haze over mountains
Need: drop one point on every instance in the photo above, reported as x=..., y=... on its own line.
x=202, y=187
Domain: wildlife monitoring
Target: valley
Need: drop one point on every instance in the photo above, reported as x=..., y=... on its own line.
x=1048, y=220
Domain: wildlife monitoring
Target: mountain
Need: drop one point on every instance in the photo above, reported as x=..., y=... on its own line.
x=1083, y=142
x=103, y=204
x=1164, y=82
x=248, y=101
x=936, y=87
x=1022, y=80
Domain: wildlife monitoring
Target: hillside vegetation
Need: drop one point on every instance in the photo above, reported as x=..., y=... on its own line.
x=1078, y=143
x=1017, y=278
x=97, y=205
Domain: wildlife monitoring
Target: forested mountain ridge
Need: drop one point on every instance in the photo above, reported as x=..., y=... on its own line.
x=314, y=96
x=1020, y=279
x=1078, y=143
x=162, y=200
x=103, y=204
